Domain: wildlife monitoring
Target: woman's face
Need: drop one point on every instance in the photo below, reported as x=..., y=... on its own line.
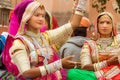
x=37, y=19
x=105, y=26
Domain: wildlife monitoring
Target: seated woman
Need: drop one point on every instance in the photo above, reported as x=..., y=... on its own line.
x=100, y=59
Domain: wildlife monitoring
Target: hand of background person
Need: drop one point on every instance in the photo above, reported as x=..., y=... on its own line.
x=68, y=63
x=113, y=61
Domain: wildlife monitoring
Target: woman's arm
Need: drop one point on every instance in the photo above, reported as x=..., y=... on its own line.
x=85, y=57
x=20, y=57
x=60, y=35
x=86, y=60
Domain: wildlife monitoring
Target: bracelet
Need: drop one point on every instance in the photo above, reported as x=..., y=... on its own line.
x=99, y=73
x=53, y=67
x=94, y=67
x=46, y=69
x=79, y=13
x=42, y=70
x=60, y=63
x=102, y=64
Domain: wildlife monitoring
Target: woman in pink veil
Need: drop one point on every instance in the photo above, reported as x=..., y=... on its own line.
x=37, y=60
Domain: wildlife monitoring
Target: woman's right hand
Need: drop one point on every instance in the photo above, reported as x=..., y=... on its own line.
x=68, y=63
x=113, y=61
x=81, y=5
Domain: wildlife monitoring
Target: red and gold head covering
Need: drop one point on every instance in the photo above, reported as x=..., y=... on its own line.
x=115, y=32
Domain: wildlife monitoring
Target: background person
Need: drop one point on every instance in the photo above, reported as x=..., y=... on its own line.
x=74, y=44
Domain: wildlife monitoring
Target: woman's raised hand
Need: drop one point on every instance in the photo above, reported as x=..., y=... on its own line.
x=81, y=6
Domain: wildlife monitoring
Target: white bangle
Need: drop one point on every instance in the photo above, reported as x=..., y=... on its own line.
x=42, y=70
x=79, y=13
x=53, y=67
x=60, y=64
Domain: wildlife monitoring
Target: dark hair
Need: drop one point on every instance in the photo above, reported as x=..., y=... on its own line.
x=47, y=18
x=80, y=31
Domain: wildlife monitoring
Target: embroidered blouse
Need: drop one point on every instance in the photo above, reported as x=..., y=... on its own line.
x=99, y=51
x=21, y=57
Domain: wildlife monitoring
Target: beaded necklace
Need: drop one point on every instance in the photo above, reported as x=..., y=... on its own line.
x=45, y=53
x=103, y=43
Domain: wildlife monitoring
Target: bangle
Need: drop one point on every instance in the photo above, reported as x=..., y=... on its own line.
x=60, y=63
x=46, y=69
x=104, y=63
x=100, y=65
x=79, y=13
x=42, y=70
x=96, y=66
x=53, y=67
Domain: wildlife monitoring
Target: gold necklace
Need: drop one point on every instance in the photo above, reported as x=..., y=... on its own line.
x=103, y=43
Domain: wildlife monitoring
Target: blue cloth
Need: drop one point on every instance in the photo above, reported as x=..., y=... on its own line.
x=2, y=42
